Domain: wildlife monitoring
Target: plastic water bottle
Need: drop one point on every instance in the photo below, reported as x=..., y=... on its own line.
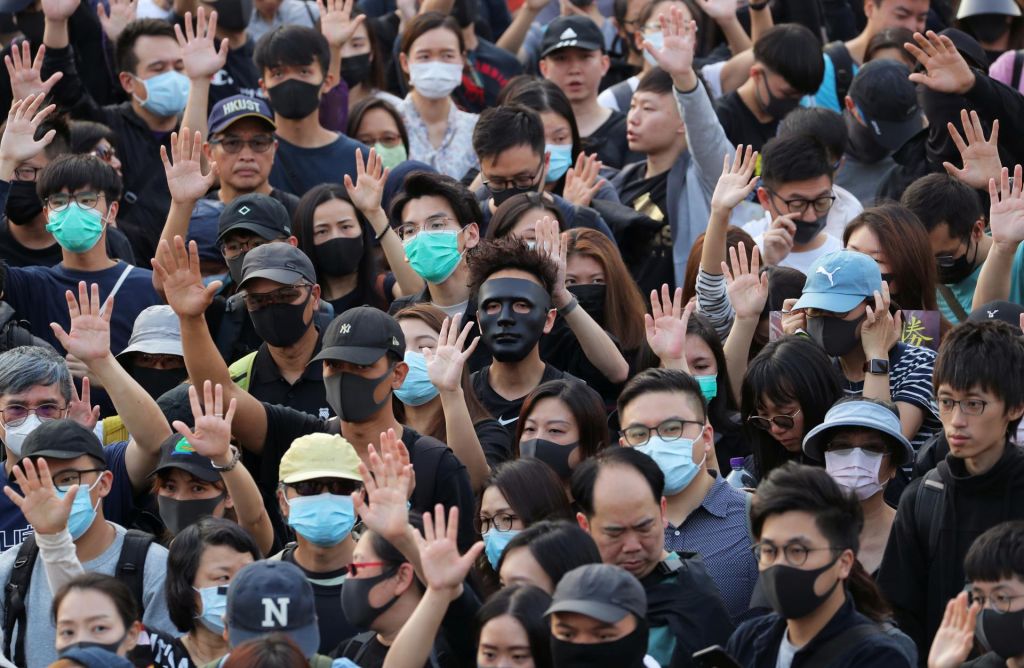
x=739, y=477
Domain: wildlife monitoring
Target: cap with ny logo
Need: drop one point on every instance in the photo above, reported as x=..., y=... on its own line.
x=362, y=335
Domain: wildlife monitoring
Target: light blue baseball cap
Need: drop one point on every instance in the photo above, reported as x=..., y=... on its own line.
x=858, y=413
x=839, y=281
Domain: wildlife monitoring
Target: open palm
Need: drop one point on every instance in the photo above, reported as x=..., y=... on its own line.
x=42, y=508
x=185, y=178
x=368, y=189
x=747, y=287
x=955, y=638
x=386, y=482
x=1006, y=217
x=114, y=21
x=666, y=324
x=211, y=437
x=443, y=568
x=680, y=40
x=946, y=71
x=737, y=180
x=979, y=155
x=89, y=338
x=18, y=142
x=199, y=52
x=177, y=271
x=446, y=362
x=337, y=24
x=26, y=74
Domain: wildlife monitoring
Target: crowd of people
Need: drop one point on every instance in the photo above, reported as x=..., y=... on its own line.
x=494, y=333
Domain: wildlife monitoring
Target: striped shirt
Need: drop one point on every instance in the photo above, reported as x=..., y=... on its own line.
x=713, y=302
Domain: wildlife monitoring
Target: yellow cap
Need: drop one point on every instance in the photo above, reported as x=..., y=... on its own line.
x=319, y=456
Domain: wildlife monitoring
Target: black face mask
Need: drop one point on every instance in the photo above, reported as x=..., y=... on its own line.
x=805, y=231
x=554, y=455
x=355, y=69
x=790, y=590
x=960, y=269
x=863, y=147
x=32, y=25
x=23, y=204
x=157, y=381
x=1001, y=632
x=235, y=267
x=591, y=298
x=295, y=99
x=626, y=652
x=835, y=335
x=234, y=15
x=339, y=256
x=355, y=600
x=988, y=28
x=351, y=396
x=86, y=644
x=776, y=107
x=281, y=325
x=509, y=335
x=503, y=196
x=177, y=515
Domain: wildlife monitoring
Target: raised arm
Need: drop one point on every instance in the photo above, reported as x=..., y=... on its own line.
x=748, y=292
x=980, y=156
x=18, y=142
x=202, y=60
x=724, y=14
x=666, y=327
x=178, y=271
x=185, y=180
x=512, y=39
x=1006, y=220
x=26, y=74
x=337, y=25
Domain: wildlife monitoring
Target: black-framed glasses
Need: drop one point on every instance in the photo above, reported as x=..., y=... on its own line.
x=289, y=294
x=336, y=486
x=795, y=554
x=967, y=406
x=999, y=601
x=799, y=205
x=669, y=430
x=26, y=173
x=501, y=522
x=780, y=421
x=234, y=248
x=258, y=143
x=65, y=480
x=501, y=185
x=947, y=261
x=85, y=199
x=437, y=223
x=14, y=414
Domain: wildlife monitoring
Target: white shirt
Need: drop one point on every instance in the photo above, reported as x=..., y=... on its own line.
x=787, y=651
x=801, y=261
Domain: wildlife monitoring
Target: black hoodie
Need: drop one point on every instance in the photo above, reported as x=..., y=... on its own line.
x=918, y=584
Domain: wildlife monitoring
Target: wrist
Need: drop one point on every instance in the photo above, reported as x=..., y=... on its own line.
x=561, y=298
x=378, y=220
x=7, y=168
x=678, y=364
x=454, y=394
x=1008, y=248
x=685, y=82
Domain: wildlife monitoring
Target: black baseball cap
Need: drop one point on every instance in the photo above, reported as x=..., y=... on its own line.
x=362, y=335
x=235, y=108
x=571, y=32
x=272, y=596
x=602, y=591
x=888, y=102
x=282, y=263
x=62, y=439
x=257, y=213
x=1008, y=312
x=177, y=453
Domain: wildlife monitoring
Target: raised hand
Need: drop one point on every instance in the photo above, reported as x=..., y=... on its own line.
x=666, y=324
x=946, y=71
x=89, y=339
x=551, y=243
x=42, y=508
x=18, y=142
x=676, y=54
x=212, y=435
x=443, y=568
x=387, y=483
x=79, y=408
x=446, y=362
x=336, y=21
x=59, y=10
x=177, y=270
x=778, y=239
x=584, y=180
x=737, y=180
x=26, y=74
x=719, y=9
x=201, y=57
x=185, y=177
x=1006, y=217
x=880, y=330
x=368, y=189
x=955, y=638
x=979, y=155
x=122, y=12
x=747, y=287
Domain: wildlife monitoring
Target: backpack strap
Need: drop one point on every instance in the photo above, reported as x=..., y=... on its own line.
x=363, y=639
x=1018, y=65
x=837, y=646
x=929, y=507
x=842, y=61
x=952, y=302
x=131, y=565
x=15, y=598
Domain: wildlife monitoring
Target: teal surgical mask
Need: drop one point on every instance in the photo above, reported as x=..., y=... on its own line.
x=675, y=459
x=708, y=386
x=416, y=389
x=76, y=228
x=83, y=512
x=391, y=156
x=561, y=161
x=495, y=543
x=434, y=255
x=325, y=519
x=215, y=604
x=166, y=94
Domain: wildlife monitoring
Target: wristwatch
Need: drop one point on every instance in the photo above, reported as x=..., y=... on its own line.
x=877, y=367
x=236, y=455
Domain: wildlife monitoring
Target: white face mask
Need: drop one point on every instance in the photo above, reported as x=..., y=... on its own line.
x=434, y=79
x=856, y=470
x=15, y=436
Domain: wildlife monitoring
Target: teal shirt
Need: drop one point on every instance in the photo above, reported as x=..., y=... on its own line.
x=964, y=290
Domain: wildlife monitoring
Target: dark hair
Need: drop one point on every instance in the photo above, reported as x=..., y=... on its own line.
x=733, y=236
x=893, y=37
x=390, y=554
x=502, y=128
x=940, y=198
x=426, y=22
x=526, y=604
x=584, y=478
x=510, y=212
x=793, y=52
x=663, y=380
x=124, y=49
x=74, y=171
x=997, y=554
x=789, y=369
x=783, y=283
x=822, y=123
x=490, y=257
x=84, y=135
x=379, y=58
x=583, y=402
x=722, y=408
x=429, y=184
x=837, y=514
x=978, y=354
x=543, y=96
x=709, y=33
x=302, y=222
x=532, y=489
x=558, y=546
x=183, y=556
x=118, y=592
x=274, y=650
x=657, y=81
x=292, y=45
x=61, y=143
x=793, y=158
x=355, y=117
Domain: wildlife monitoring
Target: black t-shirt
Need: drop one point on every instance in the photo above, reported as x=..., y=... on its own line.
x=495, y=440
x=16, y=255
x=649, y=196
x=327, y=590
x=740, y=124
x=239, y=75
x=490, y=68
x=609, y=142
x=504, y=410
x=159, y=650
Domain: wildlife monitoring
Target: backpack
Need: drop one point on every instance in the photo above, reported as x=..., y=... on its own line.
x=130, y=569
x=14, y=332
x=361, y=642
x=931, y=494
x=1018, y=65
x=842, y=61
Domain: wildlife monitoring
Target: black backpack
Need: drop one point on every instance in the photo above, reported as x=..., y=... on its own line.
x=357, y=645
x=130, y=570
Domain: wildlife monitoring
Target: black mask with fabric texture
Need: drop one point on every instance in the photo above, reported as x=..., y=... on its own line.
x=281, y=325
x=626, y=652
x=355, y=69
x=295, y=99
x=351, y=396
x=805, y=231
x=960, y=269
x=510, y=335
x=553, y=454
x=506, y=194
x=355, y=599
x=776, y=107
x=863, y=147
x=23, y=203
x=835, y=335
x=1001, y=632
x=87, y=644
x=233, y=15
x=339, y=256
x=235, y=267
x=156, y=382
x=178, y=515
x=790, y=590
x=591, y=298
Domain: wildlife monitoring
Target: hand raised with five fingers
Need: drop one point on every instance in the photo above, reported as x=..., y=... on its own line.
x=446, y=362
x=387, y=483
x=27, y=74
x=666, y=326
x=89, y=339
x=551, y=243
x=80, y=409
x=584, y=180
x=881, y=330
x=443, y=568
x=747, y=287
x=18, y=142
x=59, y=10
x=737, y=180
x=211, y=436
x=122, y=12
x=676, y=54
x=38, y=501
x=185, y=178
x=336, y=21
x=979, y=155
x=955, y=638
x=719, y=9
x=177, y=270
x=368, y=188
x=946, y=71
x=199, y=52
x=1006, y=217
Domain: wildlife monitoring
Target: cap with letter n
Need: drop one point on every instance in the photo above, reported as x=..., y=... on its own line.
x=839, y=281
x=571, y=32
x=235, y=108
x=602, y=591
x=272, y=597
x=362, y=335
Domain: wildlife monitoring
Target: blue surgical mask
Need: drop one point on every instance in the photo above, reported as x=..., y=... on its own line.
x=561, y=161
x=495, y=543
x=417, y=389
x=434, y=255
x=708, y=386
x=166, y=94
x=215, y=605
x=83, y=513
x=675, y=459
x=76, y=228
x=324, y=520
x=656, y=40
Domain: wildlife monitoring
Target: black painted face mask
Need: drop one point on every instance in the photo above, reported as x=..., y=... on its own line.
x=512, y=313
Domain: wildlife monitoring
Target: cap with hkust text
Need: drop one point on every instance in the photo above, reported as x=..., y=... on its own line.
x=887, y=101
x=235, y=108
x=255, y=212
x=362, y=335
x=571, y=32
x=602, y=591
x=272, y=597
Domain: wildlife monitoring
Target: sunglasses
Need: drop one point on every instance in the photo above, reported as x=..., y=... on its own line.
x=336, y=486
x=780, y=421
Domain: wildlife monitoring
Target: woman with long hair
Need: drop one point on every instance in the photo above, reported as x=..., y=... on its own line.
x=362, y=66
x=518, y=215
x=96, y=610
x=543, y=552
x=705, y=358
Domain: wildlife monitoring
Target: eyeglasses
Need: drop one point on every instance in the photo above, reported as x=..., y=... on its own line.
x=356, y=566
x=258, y=143
x=232, y=249
x=387, y=139
x=998, y=602
x=799, y=205
x=967, y=406
x=27, y=173
x=407, y=231
x=15, y=414
x=780, y=421
x=501, y=522
x=946, y=261
x=105, y=153
x=289, y=294
x=795, y=554
x=85, y=199
x=336, y=486
x=65, y=480
x=501, y=185
x=670, y=430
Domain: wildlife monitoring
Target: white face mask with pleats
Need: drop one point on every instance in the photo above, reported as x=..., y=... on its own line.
x=856, y=470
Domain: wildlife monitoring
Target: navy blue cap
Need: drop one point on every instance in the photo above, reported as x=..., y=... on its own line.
x=235, y=108
x=272, y=596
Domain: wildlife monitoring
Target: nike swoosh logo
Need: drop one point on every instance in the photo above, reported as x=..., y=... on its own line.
x=505, y=423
